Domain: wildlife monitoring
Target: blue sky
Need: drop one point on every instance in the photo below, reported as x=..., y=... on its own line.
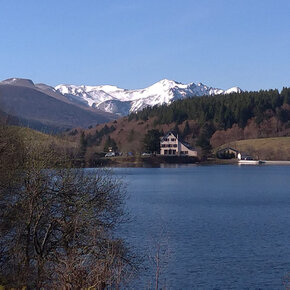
x=134, y=43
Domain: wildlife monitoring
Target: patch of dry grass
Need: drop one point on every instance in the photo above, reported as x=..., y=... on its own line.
x=277, y=148
x=43, y=140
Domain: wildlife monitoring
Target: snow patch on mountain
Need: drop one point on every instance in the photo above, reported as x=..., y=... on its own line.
x=122, y=101
x=18, y=82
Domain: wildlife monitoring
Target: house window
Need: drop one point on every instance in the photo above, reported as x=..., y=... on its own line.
x=165, y=151
x=174, y=145
x=172, y=139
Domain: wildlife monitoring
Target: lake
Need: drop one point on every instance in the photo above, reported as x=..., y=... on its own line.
x=217, y=226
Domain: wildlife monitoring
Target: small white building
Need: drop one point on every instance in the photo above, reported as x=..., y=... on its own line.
x=242, y=156
x=171, y=145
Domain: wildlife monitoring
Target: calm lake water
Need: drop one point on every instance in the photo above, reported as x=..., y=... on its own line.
x=218, y=227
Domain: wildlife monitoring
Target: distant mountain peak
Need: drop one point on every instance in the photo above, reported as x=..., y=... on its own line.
x=18, y=82
x=167, y=82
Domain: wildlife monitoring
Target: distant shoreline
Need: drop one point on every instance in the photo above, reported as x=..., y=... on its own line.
x=156, y=161
x=140, y=161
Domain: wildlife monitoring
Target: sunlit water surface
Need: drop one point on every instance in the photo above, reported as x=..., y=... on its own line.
x=218, y=227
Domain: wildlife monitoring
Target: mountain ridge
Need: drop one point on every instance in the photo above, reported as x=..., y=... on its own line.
x=124, y=101
x=41, y=107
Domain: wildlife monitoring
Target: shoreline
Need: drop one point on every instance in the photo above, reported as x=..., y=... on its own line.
x=160, y=161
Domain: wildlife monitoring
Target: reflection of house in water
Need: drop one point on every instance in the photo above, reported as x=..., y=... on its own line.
x=171, y=145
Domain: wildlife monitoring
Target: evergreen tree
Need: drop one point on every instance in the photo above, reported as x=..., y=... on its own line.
x=286, y=95
x=203, y=139
x=176, y=130
x=204, y=143
x=83, y=146
x=151, y=141
x=186, y=130
x=110, y=144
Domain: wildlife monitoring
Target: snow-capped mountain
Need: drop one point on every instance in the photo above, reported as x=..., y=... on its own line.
x=122, y=101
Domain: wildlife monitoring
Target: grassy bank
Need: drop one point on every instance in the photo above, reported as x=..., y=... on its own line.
x=30, y=136
x=277, y=148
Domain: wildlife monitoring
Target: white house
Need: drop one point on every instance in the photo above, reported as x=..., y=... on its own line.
x=173, y=146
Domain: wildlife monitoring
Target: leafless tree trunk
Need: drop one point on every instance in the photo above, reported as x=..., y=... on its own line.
x=159, y=256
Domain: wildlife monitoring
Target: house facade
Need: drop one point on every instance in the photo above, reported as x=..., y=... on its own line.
x=171, y=145
x=227, y=153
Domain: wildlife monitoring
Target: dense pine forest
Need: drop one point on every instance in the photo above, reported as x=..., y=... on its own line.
x=222, y=111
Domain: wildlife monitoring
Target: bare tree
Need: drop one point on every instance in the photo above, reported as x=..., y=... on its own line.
x=159, y=254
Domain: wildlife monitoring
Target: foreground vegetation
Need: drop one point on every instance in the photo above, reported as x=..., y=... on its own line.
x=57, y=226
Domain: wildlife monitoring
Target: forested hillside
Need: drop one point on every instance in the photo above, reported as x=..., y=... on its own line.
x=204, y=122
